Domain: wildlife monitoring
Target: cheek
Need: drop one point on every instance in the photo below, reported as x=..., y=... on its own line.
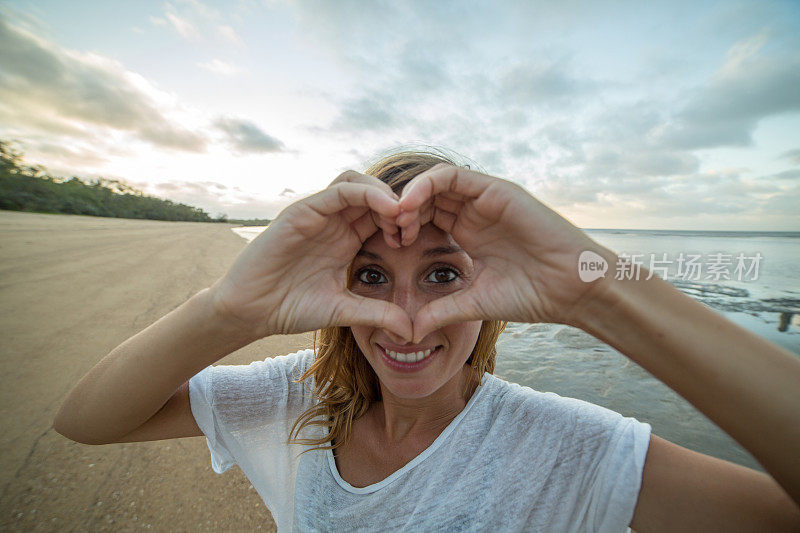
x=463, y=336
x=362, y=334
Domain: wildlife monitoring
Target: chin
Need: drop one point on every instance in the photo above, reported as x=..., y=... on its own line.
x=410, y=388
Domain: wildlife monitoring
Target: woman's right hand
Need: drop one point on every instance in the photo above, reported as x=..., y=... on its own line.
x=293, y=277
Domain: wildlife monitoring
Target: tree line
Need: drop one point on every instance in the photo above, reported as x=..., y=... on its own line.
x=32, y=188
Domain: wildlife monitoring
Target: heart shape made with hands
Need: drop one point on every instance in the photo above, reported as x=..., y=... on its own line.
x=294, y=277
x=525, y=254
x=421, y=203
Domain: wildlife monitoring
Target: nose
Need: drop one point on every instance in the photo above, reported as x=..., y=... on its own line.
x=408, y=298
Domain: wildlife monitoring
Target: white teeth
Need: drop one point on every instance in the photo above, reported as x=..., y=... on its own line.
x=412, y=357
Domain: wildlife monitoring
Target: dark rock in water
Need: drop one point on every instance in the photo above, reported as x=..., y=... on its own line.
x=702, y=289
x=784, y=305
x=736, y=300
x=786, y=319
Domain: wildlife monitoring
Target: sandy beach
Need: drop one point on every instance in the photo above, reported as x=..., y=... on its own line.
x=71, y=289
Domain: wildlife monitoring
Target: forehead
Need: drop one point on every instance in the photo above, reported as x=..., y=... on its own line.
x=429, y=237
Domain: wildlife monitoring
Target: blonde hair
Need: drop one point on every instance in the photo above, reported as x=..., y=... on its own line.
x=344, y=382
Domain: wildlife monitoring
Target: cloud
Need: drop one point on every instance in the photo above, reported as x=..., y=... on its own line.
x=792, y=155
x=419, y=70
x=245, y=136
x=747, y=88
x=195, y=21
x=215, y=198
x=704, y=193
x=185, y=29
x=642, y=162
x=61, y=156
x=227, y=33
x=368, y=113
x=531, y=82
x=521, y=149
x=219, y=67
x=81, y=91
x=787, y=174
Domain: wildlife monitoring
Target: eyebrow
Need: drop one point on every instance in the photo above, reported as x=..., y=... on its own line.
x=442, y=250
x=369, y=255
x=432, y=252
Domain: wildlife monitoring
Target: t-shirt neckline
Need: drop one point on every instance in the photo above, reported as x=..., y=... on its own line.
x=416, y=460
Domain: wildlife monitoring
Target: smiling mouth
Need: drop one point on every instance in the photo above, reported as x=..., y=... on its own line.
x=409, y=357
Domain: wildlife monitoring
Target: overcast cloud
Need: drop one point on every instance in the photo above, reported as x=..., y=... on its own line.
x=82, y=91
x=624, y=112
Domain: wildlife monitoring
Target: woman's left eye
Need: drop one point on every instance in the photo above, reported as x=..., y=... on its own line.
x=442, y=275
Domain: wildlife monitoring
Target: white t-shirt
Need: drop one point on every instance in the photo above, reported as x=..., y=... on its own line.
x=513, y=460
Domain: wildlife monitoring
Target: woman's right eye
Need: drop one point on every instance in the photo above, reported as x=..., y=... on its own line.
x=371, y=277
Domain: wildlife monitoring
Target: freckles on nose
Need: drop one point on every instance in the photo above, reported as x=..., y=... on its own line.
x=409, y=300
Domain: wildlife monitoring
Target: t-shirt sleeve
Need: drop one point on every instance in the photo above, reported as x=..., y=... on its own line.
x=614, y=489
x=201, y=402
x=232, y=403
x=587, y=460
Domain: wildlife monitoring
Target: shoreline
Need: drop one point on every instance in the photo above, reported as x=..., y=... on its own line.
x=72, y=288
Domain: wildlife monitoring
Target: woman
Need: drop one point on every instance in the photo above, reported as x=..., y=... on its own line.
x=409, y=271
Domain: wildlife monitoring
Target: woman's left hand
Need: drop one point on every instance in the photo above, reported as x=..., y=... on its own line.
x=525, y=254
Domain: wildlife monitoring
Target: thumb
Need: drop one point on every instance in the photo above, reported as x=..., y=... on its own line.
x=360, y=311
x=451, y=309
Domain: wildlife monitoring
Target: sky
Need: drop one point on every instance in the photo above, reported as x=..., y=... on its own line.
x=651, y=115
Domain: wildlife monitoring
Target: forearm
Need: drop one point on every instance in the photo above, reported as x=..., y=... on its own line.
x=135, y=380
x=748, y=386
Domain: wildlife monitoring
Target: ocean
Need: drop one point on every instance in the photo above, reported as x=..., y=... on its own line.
x=752, y=278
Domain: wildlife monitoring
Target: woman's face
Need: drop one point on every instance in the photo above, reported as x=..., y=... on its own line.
x=411, y=276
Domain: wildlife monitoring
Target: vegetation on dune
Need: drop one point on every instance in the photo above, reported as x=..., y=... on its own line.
x=31, y=188
x=250, y=222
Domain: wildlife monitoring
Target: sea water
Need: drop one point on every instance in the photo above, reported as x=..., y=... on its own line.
x=569, y=362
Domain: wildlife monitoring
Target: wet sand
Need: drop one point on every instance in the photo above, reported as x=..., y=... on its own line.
x=71, y=289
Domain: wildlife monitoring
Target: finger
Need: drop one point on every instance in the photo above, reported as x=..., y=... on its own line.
x=343, y=195
x=411, y=232
x=364, y=226
x=452, y=196
x=392, y=239
x=351, y=176
x=407, y=218
x=354, y=213
x=365, y=229
x=388, y=225
x=451, y=309
x=441, y=179
x=447, y=203
x=357, y=310
x=391, y=234
x=444, y=220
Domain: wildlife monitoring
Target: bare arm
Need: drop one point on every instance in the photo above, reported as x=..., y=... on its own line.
x=135, y=381
x=290, y=279
x=683, y=490
x=748, y=386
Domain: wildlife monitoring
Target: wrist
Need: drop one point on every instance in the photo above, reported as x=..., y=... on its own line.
x=221, y=319
x=601, y=293
x=630, y=314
